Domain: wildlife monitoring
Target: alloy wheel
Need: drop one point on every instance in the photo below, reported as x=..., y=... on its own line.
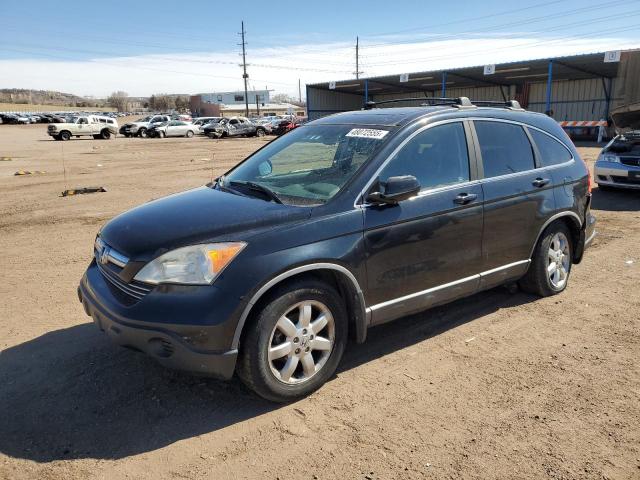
x=559, y=260
x=301, y=342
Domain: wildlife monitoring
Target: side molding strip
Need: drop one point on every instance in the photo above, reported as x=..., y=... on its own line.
x=291, y=273
x=446, y=285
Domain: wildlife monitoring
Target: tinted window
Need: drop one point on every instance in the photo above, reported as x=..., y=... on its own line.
x=505, y=148
x=437, y=156
x=551, y=151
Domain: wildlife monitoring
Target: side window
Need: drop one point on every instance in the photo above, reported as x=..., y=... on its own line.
x=551, y=150
x=505, y=148
x=437, y=157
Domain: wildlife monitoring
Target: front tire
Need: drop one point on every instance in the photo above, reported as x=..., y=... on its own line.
x=295, y=342
x=142, y=133
x=64, y=136
x=260, y=133
x=551, y=263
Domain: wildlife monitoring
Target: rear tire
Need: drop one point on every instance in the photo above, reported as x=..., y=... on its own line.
x=551, y=262
x=295, y=342
x=105, y=134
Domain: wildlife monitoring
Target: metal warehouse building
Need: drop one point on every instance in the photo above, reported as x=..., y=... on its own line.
x=580, y=88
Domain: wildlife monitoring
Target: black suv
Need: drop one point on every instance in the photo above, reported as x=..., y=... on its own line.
x=347, y=222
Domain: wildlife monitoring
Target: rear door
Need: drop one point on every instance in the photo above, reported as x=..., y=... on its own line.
x=426, y=250
x=518, y=194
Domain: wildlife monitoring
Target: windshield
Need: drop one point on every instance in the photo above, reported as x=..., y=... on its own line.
x=309, y=165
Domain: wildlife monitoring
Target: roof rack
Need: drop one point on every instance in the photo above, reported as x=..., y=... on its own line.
x=511, y=104
x=459, y=102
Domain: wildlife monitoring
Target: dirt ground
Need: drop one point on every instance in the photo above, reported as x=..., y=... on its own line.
x=497, y=386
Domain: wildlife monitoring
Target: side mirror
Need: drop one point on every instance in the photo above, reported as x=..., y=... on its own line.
x=395, y=189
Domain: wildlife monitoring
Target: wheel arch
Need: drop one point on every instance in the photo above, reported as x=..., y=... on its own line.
x=337, y=275
x=568, y=218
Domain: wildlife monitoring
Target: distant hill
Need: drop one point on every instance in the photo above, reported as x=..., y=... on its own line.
x=22, y=96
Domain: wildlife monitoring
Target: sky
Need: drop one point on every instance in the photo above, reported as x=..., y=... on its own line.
x=94, y=48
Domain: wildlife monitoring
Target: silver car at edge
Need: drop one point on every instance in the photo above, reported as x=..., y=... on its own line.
x=618, y=165
x=177, y=128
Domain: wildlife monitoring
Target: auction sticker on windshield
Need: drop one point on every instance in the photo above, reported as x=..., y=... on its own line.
x=367, y=133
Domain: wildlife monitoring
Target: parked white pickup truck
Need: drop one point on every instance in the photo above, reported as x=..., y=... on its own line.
x=84, y=125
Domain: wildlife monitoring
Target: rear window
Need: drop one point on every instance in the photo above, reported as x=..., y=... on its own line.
x=551, y=150
x=505, y=148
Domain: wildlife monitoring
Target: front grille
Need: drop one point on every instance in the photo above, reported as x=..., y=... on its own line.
x=134, y=289
x=627, y=180
x=630, y=161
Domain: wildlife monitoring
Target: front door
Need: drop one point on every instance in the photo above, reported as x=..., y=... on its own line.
x=426, y=250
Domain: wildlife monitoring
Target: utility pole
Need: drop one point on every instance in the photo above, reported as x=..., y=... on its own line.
x=244, y=75
x=299, y=91
x=357, y=58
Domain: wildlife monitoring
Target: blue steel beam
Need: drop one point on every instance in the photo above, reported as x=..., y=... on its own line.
x=444, y=85
x=549, y=85
x=366, y=90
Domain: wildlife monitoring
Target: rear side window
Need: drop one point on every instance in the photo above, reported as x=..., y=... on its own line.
x=551, y=150
x=505, y=148
x=437, y=157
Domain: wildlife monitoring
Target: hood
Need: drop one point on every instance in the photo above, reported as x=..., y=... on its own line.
x=627, y=117
x=194, y=216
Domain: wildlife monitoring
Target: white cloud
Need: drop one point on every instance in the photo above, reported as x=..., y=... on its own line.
x=209, y=71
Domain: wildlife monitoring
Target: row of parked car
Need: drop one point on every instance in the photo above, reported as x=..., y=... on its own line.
x=23, y=118
x=165, y=125
x=104, y=126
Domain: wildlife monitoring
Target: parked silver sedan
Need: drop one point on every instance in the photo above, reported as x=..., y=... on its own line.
x=174, y=128
x=619, y=162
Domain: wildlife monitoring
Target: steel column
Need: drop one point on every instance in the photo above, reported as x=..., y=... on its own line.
x=366, y=91
x=549, y=85
x=443, y=92
x=607, y=94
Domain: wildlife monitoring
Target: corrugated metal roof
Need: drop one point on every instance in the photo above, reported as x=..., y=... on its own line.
x=574, y=67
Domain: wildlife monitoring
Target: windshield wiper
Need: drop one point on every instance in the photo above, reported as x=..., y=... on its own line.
x=259, y=188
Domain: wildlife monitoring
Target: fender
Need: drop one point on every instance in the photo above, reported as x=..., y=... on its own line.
x=361, y=316
x=568, y=213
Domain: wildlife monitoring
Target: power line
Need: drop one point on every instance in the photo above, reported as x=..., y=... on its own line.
x=476, y=52
x=163, y=70
x=440, y=37
x=468, y=19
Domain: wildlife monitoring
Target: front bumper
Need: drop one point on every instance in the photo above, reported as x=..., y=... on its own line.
x=172, y=343
x=614, y=174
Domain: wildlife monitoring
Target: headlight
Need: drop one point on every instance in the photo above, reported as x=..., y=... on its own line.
x=193, y=265
x=607, y=157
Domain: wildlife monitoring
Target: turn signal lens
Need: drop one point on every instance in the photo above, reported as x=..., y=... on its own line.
x=223, y=255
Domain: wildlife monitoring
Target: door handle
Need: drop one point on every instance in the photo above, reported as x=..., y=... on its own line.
x=464, y=198
x=540, y=182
